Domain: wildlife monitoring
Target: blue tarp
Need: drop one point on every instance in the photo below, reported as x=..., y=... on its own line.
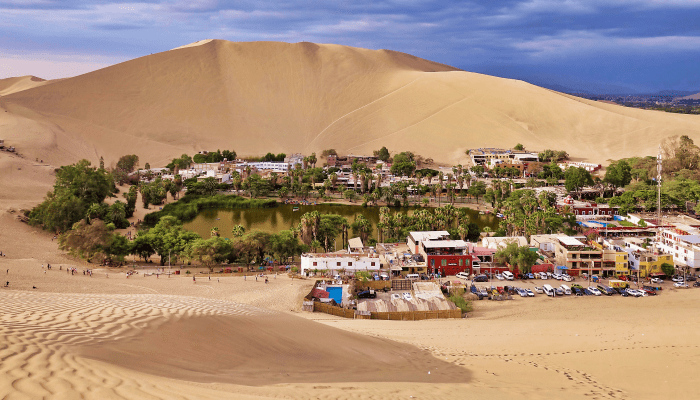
x=562, y=267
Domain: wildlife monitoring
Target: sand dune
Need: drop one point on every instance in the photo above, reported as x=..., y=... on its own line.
x=266, y=96
x=14, y=85
x=695, y=96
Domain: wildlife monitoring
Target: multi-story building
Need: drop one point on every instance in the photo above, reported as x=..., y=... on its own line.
x=441, y=255
x=577, y=256
x=337, y=263
x=683, y=243
x=645, y=259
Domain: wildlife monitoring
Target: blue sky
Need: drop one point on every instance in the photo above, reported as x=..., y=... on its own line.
x=644, y=45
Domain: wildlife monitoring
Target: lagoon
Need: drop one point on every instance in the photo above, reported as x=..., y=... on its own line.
x=275, y=219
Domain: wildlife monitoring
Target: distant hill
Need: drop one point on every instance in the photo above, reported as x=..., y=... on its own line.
x=695, y=96
x=261, y=97
x=13, y=85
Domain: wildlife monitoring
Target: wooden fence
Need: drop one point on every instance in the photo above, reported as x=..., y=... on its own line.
x=375, y=285
x=394, y=316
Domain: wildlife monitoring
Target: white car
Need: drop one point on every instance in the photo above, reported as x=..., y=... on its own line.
x=548, y=290
x=556, y=276
x=462, y=275
x=566, y=289
x=681, y=285
x=521, y=292
x=539, y=290
x=677, y=279
x=500, y=277
x=595, y=290
x=530, y=293
x=407, y=296
x=543, y=275
x=657, y=280
x=567, y=278
x=636, y=293
x=508, y=275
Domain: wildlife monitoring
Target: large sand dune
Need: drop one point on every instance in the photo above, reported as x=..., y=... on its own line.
x=266, y=96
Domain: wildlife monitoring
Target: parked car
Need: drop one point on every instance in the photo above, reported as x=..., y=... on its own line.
x=539, y=290
x=548, y=290
x=522, y=292
x=500, y=277
x=681, y=285
x=657, y=280
x=481, y=278
x=696, y=284
x=566, y=289
x=634, y=293
x=530, y=275
x=677, y=279
x=367, y=294
x=462, y=275
x=567, y=277
x=559, y=291
x=690, y=278
x=588, y=292
x=648, y=291
x=508, y=275
x=595, y=290
x=577, y=291
x=543, y=275
x=576, y=285
x=530, y=293
x=484, y=292
x=606, y=290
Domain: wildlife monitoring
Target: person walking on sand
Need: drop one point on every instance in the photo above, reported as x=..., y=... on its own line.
x=194, y=279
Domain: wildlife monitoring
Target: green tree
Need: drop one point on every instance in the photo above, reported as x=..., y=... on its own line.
x=362, y=227
x=403, y=164
x=618, y=174
x=382, y=154
x=209, y=252
x=668, y=269
x=576, y=178
x=517, y=256
x=519, y=147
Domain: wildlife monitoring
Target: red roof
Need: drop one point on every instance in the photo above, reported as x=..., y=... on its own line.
x=319, y=293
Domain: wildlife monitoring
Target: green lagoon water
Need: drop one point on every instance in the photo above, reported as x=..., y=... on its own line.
x=283, y=217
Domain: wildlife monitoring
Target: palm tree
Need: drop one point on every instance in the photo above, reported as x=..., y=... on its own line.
x=238, y=231
x=94, y=211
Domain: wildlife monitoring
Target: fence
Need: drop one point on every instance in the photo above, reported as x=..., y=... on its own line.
x=402, y=284
x=375, y=285
x=393, y=316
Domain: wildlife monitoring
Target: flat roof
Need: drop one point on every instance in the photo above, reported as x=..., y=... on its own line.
x=428, y=235
x=355, y=243
x=569, y=241
x=458, y=244
x=693, y=239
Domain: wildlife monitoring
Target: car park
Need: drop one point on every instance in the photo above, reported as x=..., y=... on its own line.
x=595, y=290
x=462, y=275
x=530, y=293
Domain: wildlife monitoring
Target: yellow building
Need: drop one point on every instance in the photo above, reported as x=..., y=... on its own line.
x=650, y=264
x=616, y=261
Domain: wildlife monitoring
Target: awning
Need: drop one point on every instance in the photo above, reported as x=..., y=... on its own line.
x=562, y=267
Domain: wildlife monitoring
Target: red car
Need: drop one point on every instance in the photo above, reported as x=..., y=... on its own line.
x=650, y=292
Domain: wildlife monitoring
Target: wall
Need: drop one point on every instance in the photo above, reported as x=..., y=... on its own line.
x=450, y=259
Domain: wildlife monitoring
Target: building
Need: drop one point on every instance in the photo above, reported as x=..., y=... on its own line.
x=498, y=242
x=294, y=159
x=682, y=242
x=339, y=263
x=274, y=166
x=587, y=209
x=587, y=166
x=441, y=254
x=577, y=256
x=483, y=156
x=645, y=259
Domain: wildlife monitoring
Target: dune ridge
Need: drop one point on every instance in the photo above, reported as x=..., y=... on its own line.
x=267, y=96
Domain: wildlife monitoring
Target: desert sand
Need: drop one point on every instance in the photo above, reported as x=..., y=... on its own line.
x=266, y=96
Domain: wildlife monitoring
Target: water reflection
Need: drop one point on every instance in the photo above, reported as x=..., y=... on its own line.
x=283, y=217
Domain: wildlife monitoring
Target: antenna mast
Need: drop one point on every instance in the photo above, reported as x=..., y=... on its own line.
x=658, y=183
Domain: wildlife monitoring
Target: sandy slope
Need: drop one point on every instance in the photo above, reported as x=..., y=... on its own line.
x=14, y=85
x=267, y=96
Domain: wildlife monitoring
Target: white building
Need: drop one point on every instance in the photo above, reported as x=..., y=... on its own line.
x=274, y=166
x=350, y=263
x=683, y=242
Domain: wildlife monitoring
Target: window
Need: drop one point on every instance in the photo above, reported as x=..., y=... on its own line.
x=349, y=263
x=338, y=263
x=460, y=262
x=444, y=262
x=315, y=263
x=432, y=263
x=373, y=263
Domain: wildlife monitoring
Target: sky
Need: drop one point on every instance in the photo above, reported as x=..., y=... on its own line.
x=594, y=45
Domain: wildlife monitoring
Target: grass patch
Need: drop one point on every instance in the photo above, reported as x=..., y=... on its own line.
x=189, y=206
x=626, y=223
x=457, y=297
